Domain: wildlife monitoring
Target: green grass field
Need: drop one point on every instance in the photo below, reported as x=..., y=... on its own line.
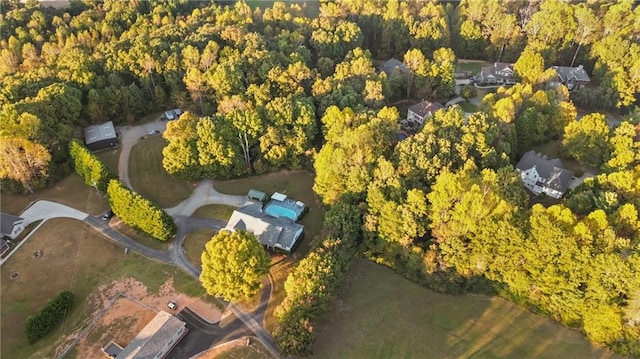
x=71, y=191
x=217, y=211
x=149, y=178
x=379, y=314
x=194, y=244
x=110, y=157
x=69, y=262
x=468, y=107
x=472, y=66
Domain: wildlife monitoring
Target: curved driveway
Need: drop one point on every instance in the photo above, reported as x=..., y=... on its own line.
x=129, y=136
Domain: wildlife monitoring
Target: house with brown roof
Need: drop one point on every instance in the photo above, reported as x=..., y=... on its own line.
x=543, y=175
x=423, y=110
x=574, y=78
x=500, y=73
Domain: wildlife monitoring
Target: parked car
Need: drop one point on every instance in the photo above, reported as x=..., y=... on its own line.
x=153, y=132
x=107, y=215
x=172, y=305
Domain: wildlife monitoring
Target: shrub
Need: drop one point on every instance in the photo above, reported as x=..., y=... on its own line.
x=89, y=166
x=40, y=324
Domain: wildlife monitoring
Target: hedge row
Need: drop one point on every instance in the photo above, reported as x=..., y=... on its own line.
x=92, y=170
x=313, y=282
x=138, y=212
x=38, y=325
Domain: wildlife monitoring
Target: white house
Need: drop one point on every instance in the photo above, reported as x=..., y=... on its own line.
x=542, y=175
x=11, y=226
x=423, y=110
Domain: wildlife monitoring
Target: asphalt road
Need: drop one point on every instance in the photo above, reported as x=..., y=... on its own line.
x=202, y=335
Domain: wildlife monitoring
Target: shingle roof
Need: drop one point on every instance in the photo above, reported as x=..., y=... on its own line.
x=425, y=107
x=557, y=178
x=7, y=221
x=272, y=232
x=153, y=337
x=103, y=131
x=565, y=73
x=391, y=65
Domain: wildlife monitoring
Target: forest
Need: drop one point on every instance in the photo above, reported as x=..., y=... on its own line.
x=289, y=87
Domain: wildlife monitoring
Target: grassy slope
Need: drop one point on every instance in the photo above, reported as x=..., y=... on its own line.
x=69, y=262
x=381, y=315
x=149, y=178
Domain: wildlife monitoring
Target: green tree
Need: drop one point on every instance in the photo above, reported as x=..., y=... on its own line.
x=89, y=167
x=530, y=68
x=587, y=140
x=232, y=264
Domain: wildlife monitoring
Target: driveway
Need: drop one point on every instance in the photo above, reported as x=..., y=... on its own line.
x=43, y=210
x=129, y=136
x=203, y=195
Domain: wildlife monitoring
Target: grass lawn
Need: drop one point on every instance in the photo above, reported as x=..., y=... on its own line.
x=218, y=211
x=69, y=262
x=110, y=157
x=139, y=236
x=295, y=184
x=553, y=149
x=194, y=244
x=468, y=107
x=472, y=66
x=379, y=314
x=150, y=179
x=279, y=273
x=71, y=191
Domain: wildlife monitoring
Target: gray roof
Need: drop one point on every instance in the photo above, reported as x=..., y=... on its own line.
x=425, y=107
x=271, y=232
x=391, y=65
x=99, y=132
x=498, y=67
x=7, y=222
x=153, y=337
x=557, y=178
x=565, y=73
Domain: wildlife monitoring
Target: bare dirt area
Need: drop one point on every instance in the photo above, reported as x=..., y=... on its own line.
x=133, y=308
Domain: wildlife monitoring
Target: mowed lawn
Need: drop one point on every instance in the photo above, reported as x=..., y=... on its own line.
x=194, y=244
x=379, y=314
x=149, y=178
x=71, y=191
x=110, y=158
x=74, y=257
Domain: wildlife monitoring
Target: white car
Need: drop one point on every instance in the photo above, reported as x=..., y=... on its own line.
x=172, y=305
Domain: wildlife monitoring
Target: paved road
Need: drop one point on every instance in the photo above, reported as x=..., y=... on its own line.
x=202, y=335
x=203, y=195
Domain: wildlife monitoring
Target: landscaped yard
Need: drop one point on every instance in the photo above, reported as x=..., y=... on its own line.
x=379, y=314
x=74, y=257
x=110, y=157
x=468, y=107
x=149, y=178
x=217, y=211
x=472, y=66
x=295, y=184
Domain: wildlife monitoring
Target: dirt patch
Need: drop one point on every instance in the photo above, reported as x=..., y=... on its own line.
x=134, y=307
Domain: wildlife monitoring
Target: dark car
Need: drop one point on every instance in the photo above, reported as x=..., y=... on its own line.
x=107, y=215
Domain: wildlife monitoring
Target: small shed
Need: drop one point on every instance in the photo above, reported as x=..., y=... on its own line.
x=277, y=196
x=256, y=195
x=101, y=136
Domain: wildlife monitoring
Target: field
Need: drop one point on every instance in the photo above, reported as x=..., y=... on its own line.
x=470, y=65
x=194, y=244
x=218, y=211
x=379, y=314
x=70, y=190
x=110, y=158
x=149, y=178
x=69, y=262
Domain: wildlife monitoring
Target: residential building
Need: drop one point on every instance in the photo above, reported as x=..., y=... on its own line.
x=101, y=136
x=500, y=73
x=423, y=110
x=154, y=341
x=543, y=175
x=272, y=232
x=574, y=78
x=393, y=65
x=10, y=225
